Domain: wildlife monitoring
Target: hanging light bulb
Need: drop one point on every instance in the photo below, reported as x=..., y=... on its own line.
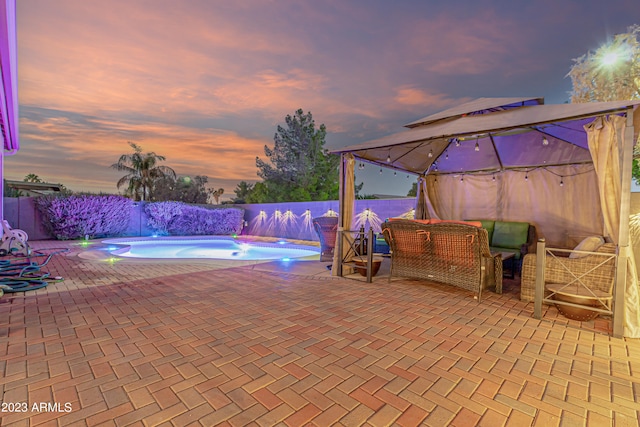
x=526, y=177
x=545, y=141
x=430, y=153
x=380, y=171
x=561, y=182
x=389, y=158
x=395, y=173
x=493, y=178
x=457, y=142
x=447, y=156
x=462, y=178
x=477, y=147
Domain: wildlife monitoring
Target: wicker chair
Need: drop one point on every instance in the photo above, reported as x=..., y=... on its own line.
x=560, y=269
x=454, y=254
x=327, y=229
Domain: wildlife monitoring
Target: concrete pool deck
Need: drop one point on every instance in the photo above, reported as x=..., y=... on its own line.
x=209, y=343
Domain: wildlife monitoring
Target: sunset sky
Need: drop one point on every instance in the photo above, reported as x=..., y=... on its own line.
x=205, y=83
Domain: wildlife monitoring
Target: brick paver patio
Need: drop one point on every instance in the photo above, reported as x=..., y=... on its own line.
x=179, y=343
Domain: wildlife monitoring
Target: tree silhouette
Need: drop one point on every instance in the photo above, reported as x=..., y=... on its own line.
x=142, y=170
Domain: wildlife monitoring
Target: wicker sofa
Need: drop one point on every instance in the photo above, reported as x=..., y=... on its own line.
x=557, y=271
x=453, y=253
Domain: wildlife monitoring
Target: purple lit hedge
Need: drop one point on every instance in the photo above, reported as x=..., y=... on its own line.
x=73, y=217
x=180, y=219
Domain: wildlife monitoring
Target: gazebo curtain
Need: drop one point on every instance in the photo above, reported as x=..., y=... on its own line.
x=563, y=214
x=606, y=138
x=347, y=200
x=424, y=208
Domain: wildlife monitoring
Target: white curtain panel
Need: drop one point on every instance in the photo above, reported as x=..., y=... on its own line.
x=606, y=137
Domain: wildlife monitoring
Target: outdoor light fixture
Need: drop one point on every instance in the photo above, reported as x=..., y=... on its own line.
x=477, y=147
x=526, y=177
x=545, y=141
x=380, y=171
x=395, y=173
x=446, y=156
x=493, y=178
x=457, y=141
x=389, y=158
x=561, y=182
x=430, y=153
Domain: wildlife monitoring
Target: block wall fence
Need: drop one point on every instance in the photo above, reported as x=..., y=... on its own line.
x=287, y=220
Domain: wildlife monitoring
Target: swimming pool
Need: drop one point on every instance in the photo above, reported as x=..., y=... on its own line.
x=215, y=247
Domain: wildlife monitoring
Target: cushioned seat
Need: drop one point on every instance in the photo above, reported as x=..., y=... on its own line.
x=510, y=236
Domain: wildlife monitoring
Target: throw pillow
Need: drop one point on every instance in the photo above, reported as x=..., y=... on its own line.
x=589, y=244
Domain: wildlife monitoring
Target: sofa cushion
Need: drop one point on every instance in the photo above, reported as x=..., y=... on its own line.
x=421, y=221
x=487, y=224
x=454, y=221
x=508, y=234
x=589, y=244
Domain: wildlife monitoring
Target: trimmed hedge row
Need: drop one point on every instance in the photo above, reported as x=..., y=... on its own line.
x=73, y=217
x=180, y=219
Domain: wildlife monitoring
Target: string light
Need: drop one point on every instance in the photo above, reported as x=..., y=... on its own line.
x=493, y=178
x=395, y=173
x=430, y=153
x=526, y=177
x=477, y=147
x=462, y=178
x=545, y=141
x=457, y=142
x=389, y=158
x=561, y=181
x=446, y=156
x=380, y=171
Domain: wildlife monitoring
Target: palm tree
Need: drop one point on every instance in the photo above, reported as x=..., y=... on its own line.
x=142, y=171
x=32, y=177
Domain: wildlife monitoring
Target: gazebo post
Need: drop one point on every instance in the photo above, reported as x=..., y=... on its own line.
x=625, y=153
x=338, y=247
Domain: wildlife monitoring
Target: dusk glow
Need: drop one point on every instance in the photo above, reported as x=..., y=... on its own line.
x=205, y=83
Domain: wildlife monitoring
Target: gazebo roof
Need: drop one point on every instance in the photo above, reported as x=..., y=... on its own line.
x=492, y=134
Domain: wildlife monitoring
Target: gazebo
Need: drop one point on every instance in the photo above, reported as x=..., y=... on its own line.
x=565, y=168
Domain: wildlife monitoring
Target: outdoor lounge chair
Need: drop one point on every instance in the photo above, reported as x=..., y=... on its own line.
x=327, y=229
x=595, y=272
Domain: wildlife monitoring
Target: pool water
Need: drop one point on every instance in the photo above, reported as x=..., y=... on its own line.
x=226, y=248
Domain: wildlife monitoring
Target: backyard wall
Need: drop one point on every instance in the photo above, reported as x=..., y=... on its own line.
x=287, y=220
